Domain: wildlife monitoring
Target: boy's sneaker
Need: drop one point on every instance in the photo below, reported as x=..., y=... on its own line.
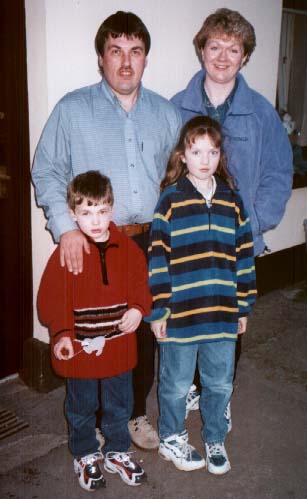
x=192, y=401
x=142, y=433
x=217, y=460
x=227, y=415
x=177, y=449
x=89, y=470
x=130, y=471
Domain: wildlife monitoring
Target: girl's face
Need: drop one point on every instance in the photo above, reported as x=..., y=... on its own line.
x=202, y=158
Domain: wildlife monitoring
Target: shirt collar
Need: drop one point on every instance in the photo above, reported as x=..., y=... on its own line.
x=218, y=113
x=227, y=101
x=110, y=95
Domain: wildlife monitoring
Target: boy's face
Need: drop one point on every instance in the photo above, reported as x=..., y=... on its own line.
x=93, y=220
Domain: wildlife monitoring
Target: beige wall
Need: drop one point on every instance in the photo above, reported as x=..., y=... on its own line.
x=61, y=57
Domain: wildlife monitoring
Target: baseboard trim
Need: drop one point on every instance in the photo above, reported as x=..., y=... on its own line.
x=280, y=269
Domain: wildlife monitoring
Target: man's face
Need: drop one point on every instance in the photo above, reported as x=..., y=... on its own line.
x=123, y=64
x=223, y=59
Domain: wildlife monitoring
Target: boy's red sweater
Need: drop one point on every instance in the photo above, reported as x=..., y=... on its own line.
x=66, y=300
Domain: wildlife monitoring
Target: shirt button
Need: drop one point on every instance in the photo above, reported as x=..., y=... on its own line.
x=135, y=192
x=132, y=165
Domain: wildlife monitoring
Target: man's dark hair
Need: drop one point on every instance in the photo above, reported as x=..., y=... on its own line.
x=92, y=186
x=121, y=24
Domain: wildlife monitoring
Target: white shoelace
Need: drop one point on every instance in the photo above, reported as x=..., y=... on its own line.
x=186, y=450
x=120, y=456
x=216, y=450
x=90, y=458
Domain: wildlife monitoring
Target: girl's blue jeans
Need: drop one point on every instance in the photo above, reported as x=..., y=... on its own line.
x=83, y=398
x=215, y=362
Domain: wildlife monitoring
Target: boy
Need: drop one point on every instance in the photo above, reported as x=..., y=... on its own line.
x=92, y=318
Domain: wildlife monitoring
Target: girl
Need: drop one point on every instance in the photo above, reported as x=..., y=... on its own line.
x=202, y=279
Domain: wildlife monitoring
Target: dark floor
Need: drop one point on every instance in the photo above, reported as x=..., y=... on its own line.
x=267, y=446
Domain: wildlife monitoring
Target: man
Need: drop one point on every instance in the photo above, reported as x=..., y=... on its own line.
x=258, y=150
x=127, y=132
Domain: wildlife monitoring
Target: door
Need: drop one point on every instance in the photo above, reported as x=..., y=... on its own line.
x=15, y=232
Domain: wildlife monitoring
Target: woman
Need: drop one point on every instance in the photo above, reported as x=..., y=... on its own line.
x=256, y=144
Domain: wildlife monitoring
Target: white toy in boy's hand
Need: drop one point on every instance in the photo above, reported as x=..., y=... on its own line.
x=91, y=344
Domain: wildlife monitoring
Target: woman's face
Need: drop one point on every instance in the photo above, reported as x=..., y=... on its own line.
x=223, y=58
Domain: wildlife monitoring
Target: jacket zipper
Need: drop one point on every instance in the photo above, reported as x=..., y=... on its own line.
x=209, y=204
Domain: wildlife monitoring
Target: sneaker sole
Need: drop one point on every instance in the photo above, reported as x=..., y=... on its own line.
x=218, y=471
x=112, y=469
x=180, y=466
x=101, y=484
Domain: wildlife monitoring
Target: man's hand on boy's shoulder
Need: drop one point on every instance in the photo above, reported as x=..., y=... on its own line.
x=72, y=244
x=63, y=349
x=130, y=320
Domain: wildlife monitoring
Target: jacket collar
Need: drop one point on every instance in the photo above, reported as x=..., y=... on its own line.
x=184, y=184
x=114, y=238
x=193, y=96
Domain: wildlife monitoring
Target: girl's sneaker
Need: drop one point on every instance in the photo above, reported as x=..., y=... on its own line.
x=192, y=401
x=89, y=470
x=217, y=460
x=129, y=471
x=177, y=449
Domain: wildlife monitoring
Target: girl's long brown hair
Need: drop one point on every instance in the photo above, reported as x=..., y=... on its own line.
x=196, y=127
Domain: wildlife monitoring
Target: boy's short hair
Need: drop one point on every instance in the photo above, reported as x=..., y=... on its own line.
x=92, y=186
x=230, y=23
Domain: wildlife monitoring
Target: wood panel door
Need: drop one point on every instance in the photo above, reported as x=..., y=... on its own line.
x=15, y=231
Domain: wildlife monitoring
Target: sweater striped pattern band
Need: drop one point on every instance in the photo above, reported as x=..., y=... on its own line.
x=102, y=321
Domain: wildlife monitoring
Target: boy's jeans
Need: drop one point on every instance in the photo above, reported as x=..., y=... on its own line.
x=177, y=366
x=81, y=404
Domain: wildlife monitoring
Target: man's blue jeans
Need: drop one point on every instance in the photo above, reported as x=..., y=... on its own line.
x=83, y=397
x=215, y=362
